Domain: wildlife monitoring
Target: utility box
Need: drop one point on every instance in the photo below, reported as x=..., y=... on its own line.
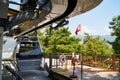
x=4, y=5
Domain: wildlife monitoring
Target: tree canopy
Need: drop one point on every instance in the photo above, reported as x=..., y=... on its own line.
x=115, y=26
x=61, y=41
x=96, y=46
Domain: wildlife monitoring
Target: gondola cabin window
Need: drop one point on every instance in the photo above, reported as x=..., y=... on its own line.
x=29, y=48
x=26, y=46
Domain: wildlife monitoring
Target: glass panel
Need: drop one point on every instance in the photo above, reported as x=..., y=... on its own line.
x=14, y=6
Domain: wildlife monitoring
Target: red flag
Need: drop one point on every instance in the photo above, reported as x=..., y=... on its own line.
x=78, y=29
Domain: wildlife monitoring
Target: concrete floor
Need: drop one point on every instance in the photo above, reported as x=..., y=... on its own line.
x=88, y=75
x=29, y=75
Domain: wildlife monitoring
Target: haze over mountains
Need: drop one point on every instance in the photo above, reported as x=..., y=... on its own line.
x=106, y=37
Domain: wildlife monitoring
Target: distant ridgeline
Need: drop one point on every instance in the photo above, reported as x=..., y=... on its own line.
x=106, y=37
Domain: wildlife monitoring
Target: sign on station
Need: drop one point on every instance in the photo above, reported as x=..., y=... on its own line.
x=62, y=58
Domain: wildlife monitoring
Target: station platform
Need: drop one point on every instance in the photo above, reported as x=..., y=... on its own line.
x=87, y=75
x=29, y=75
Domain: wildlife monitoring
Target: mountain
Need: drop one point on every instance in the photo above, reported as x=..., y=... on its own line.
x=108, y=38
x=102, y=37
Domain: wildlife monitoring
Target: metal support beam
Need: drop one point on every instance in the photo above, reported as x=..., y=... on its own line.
x=1, y=43
x=4, y=4
x=4, y=8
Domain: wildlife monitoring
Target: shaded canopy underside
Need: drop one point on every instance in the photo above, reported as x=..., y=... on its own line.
x=58, y=8
x=82, y=6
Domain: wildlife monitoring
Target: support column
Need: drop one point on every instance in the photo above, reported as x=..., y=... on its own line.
x=4, y=5
x=1, y=43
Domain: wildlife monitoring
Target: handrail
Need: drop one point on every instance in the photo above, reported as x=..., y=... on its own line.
x=14, y=73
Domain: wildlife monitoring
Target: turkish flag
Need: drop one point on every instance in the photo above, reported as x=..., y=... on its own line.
x=78, y=29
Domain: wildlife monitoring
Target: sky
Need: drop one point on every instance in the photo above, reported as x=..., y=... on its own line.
x=14, y=6
x=96, y=21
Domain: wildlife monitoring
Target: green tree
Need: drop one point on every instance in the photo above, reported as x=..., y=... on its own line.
x=96, y=45
x=115, y=26
x=44, y=38
x=59, y=41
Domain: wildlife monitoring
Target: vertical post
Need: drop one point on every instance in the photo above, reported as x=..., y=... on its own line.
x=50, y=60
x=117, y=56
x=4, y=4
x=94, y=57
x=113, y=61
x=1, y=43
x=66, y=64
x=81, y=61
x=44, y=60
x=56, y=57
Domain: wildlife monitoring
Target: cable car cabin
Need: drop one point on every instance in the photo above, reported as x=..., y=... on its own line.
x=28, y=54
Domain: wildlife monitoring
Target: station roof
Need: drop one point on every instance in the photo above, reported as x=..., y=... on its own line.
x=82, y=6
x=58, y=8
